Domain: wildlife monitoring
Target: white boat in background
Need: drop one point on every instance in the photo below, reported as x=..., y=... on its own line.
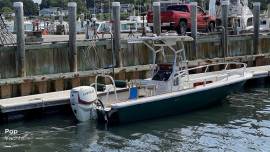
x=52, y=26
x=265, y=21
x=125, y=27
x=264, y=24
x=140, y=23
x=171, y=89
x=128, y=26
x=240, y=17
x=133, y=24
x=9, y=26
x=28, y=26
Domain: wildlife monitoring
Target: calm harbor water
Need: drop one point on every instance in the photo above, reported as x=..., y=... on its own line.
x=241, y=123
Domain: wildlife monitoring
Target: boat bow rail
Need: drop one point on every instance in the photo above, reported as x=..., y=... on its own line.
x=184, y=81
x=239, y=67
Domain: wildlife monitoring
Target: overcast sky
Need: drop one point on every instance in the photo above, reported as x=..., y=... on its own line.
x=37, y=1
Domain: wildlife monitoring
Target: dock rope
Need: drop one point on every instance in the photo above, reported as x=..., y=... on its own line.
x=87, y=55
x=6, y=37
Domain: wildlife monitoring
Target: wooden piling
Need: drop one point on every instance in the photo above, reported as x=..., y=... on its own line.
x=72, y=13
x=116, y=33
x=156, y=18
x=261, y=61
x=75, y=82
x=42, y=87
x=224, y=9
x=256, y=24
x=194, y=26
x=5, y=91
x=121, y=75
x=26, y=88
x=87, y=29
x=61, y=18
x=59, y=85
x=268, y=11
x=136, y=75
x=20, y=54
x=82, y=20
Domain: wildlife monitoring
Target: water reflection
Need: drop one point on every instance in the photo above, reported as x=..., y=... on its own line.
x=241, y=123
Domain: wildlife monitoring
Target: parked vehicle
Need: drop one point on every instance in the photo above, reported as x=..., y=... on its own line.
x=178, y=17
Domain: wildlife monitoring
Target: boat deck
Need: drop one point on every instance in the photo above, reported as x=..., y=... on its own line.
x=39, y=101
x=62, y=97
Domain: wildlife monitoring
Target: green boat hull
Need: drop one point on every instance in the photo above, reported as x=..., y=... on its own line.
x=169, y=106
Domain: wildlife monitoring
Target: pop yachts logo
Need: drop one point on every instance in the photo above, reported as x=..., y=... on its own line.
x=11, y=131
x=13, y=134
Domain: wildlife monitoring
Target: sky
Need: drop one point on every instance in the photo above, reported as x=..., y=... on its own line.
x=37, y=1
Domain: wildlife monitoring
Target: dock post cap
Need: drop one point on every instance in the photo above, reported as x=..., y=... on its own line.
x=225, y=2
x=156, y=4
x=115, y=3
x=256, y=4
x=18, y=4
x=72, y=4
x=194, y=3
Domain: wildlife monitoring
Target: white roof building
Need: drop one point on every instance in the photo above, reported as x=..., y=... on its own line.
x=52, y=11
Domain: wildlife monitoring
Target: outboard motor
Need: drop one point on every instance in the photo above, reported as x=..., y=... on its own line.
x=82, y=102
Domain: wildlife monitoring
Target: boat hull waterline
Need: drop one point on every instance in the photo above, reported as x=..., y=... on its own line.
x=170, y=106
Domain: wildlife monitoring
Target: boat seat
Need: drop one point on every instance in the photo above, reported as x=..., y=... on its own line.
x=201, y=83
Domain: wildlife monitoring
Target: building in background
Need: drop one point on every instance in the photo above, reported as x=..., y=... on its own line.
x=53, y=11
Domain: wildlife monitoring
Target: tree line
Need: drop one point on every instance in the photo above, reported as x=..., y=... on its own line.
x=6, y=7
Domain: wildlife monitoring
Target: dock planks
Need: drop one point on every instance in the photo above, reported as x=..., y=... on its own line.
x=260, y=71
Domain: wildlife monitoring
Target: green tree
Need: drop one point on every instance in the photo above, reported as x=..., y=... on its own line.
x=5, y=3
x=81, y=6
x=263, y=3
x=30, y=8
x=6, y=10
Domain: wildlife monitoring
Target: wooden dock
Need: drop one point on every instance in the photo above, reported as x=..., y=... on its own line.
x=260, y=71
x=59, y=98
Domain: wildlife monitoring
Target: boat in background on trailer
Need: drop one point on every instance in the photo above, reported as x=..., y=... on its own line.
x=171, y=90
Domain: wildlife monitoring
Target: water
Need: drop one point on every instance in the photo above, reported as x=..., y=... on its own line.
x=241, y=123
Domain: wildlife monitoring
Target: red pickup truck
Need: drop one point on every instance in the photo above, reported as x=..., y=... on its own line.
x=178, y=17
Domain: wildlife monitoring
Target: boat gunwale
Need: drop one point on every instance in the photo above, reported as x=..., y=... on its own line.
x=217, y=84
